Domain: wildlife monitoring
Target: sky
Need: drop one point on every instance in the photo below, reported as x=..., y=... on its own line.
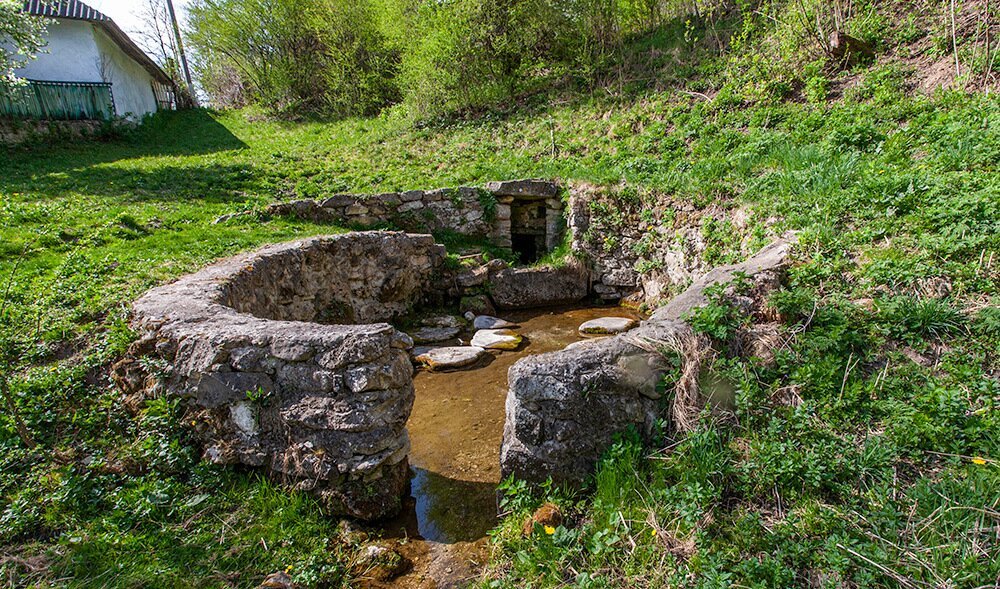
x=125, y=12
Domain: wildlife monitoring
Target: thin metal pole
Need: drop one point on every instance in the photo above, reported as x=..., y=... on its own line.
x=180, y=50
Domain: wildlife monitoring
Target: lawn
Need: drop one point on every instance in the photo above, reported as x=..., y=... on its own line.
x=883, y=472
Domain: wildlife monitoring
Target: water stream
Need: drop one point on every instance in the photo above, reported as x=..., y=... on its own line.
x=455, y=432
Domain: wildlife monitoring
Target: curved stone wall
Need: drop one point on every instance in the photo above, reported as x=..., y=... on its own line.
x=273, y=376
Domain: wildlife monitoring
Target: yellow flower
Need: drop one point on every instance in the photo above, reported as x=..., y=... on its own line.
x=288, y=569
x=652, y=532
x=979, y=461
x=550, y=530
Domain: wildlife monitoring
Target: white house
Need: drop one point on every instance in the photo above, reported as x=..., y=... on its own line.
x=90, y=69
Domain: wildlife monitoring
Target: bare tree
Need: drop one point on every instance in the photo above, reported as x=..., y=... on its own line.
x=157, y=34
x=160, y=37
x=104, y=68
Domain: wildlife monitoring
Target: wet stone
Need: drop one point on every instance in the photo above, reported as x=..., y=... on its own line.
x=608, y=326
x=449, y=358
x=487, y=322
x=442, y=321
x=496, y=339
x=433, y=335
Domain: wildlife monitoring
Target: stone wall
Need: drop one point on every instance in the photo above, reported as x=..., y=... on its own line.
x=479, y=212
x=563, y=409
x=366, y=278
x=644, y=249
x=323, y=407
x=14, y=132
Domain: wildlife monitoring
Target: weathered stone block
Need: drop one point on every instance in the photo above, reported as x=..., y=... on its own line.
x=406, y=207
x=564, y=408
x=532, y=188
x=395, y=372
x=521, y=288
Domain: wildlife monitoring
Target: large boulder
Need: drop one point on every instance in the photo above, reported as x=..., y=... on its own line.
x=564, y=408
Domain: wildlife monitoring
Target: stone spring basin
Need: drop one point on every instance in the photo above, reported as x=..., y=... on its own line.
x=287, y=363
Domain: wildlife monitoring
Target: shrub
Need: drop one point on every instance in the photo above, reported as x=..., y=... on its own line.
x=293, y=57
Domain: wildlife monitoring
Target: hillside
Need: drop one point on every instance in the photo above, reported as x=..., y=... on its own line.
x=865, y=455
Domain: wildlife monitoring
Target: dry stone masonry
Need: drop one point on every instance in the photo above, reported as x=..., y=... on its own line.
x=524, y=215
x=286, y=362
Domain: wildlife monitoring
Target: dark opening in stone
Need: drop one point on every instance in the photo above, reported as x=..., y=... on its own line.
x=526, y=247
x=528, y=230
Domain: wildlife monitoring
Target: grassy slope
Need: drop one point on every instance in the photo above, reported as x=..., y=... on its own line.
x=894, y=195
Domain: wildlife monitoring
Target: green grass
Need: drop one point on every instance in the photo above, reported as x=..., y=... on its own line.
x=897, y=200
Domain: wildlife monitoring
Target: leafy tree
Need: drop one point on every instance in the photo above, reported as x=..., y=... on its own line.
x=25, y=36
x=307, y=56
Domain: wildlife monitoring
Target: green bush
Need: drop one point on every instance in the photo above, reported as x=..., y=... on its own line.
x=294, y=57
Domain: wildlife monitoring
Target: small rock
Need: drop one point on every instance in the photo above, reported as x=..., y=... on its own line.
x=487, y=322
x=547, y=515
x=470, y=316
x=497, y=339
x=449, y=357
x=478, y=304
x=433, y=335
x=277, y=581
x=442, y=321
x=849, y=50
x=380, y=563
x=608, y=326
x=402, y=341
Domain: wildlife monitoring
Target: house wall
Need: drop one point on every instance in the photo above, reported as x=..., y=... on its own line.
x=78, y=51
x=71, y=55
x=131, y=83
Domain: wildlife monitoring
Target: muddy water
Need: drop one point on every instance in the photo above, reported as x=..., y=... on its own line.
x=455, y=432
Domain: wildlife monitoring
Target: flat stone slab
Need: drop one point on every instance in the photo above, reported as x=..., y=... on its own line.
x=442, y=321
x=433, y=335
x=530, y=188
x=608, y=326
x=497, y=339
x=487, y=322
x=449, y=358
x=527, y=288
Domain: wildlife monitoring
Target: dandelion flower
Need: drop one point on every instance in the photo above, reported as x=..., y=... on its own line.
x=652, y=532
x=979, y=461
x=550, y=530
x=288, y=569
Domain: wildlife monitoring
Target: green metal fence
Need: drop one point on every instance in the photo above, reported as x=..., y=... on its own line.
x=73, y=101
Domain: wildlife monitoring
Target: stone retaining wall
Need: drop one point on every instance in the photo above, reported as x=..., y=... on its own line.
x=642, y=249
x=480, y=212
x=270, y=382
